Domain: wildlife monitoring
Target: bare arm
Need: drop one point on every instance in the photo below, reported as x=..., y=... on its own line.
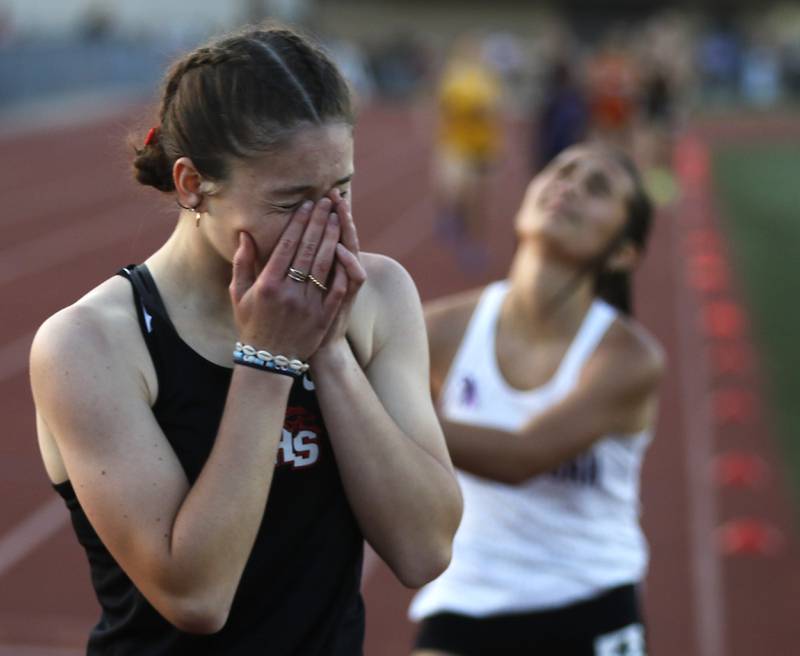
x=185, y=547
x=388, y=444
x=182, y=547
x=615, y=395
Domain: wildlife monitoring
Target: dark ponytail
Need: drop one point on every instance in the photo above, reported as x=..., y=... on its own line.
x=615, y=287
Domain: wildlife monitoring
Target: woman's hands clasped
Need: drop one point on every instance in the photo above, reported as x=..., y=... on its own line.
x=300, y=301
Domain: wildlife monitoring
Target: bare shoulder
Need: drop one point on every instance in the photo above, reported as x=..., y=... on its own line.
x=387, y=305
x=385, y=274
x=100, y=327
x=634, y=353
x=389, y=289
x=90, y=321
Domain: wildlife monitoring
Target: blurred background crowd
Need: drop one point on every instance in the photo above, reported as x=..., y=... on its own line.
x=638, y=63
x=630, y=73
x=480, y=91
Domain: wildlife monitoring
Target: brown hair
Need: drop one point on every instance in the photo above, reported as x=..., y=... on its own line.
x=615, y=287
x=238, y=96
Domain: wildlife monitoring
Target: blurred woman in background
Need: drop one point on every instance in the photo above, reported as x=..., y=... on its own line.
x=547, y=391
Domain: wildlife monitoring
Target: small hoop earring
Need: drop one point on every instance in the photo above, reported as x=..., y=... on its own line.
x=197, y=212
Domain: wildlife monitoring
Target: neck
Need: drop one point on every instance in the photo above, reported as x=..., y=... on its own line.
x=544, y=298
x=190, y=272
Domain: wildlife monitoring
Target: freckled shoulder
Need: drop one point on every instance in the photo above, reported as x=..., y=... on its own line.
x=101, y=323
x=80, y=346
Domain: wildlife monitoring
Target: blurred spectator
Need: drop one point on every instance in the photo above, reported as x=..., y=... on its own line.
x=612, y=79
x=653, y=139
x=469, y=137
x=399, y=66
x=353, y=64
x=761, y=75
x=97, y=23
x=720, y=57
x=505, y=54
x=563, y=117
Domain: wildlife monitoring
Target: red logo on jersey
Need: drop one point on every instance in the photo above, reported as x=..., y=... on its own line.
x=299, y=445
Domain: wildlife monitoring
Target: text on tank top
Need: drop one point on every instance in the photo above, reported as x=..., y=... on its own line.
x=300, y=590
x=559, y=537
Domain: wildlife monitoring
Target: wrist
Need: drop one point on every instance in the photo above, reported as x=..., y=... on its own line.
x=335, y=354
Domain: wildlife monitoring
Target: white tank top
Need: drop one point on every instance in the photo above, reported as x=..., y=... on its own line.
x=560, y=537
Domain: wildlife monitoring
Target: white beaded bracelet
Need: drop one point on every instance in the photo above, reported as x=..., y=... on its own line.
x=260, y=359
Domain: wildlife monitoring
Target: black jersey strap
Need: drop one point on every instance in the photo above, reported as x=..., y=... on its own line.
x=147, y=291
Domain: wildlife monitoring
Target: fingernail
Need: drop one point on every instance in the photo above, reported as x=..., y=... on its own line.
x=334, y=219
x=325, y=203
x=241, y=239
x=307, y=205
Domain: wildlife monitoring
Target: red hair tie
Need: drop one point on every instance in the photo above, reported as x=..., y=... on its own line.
x=151, y=137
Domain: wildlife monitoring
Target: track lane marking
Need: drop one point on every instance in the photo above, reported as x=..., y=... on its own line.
x=38, y=527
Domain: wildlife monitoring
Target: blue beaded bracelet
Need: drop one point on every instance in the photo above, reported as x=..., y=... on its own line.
x=249, y=356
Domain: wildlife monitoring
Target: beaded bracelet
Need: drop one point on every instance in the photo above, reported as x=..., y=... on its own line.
x=249, y=356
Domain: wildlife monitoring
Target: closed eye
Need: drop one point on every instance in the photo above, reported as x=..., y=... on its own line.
x=598, y=184
x=289, y=207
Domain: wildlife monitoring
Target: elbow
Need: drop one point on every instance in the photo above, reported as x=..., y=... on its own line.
x=423, y=564
x=199, y=620
x=196, y=616
x=426, y=566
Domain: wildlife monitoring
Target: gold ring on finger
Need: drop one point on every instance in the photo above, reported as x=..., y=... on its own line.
x=297, y=275
x=317, y=283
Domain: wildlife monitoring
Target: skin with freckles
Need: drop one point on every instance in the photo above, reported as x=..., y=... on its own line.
x=222, y=281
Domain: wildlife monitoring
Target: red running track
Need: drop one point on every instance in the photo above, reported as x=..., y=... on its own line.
x=73, y=216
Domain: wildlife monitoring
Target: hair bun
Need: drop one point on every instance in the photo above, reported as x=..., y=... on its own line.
x=151, y=165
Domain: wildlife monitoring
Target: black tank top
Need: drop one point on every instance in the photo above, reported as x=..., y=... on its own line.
x=300, y=590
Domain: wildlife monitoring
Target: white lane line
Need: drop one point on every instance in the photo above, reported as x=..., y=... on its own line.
x=39, y=650
x=63, y=244
x=698, y=429
x=36, y=528
x=14, y=357
x=399, y=238
x=63, y=197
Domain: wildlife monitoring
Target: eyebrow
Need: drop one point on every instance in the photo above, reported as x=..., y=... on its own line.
x=300, y=189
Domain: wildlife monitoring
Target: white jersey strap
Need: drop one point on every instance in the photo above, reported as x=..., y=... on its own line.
x=594, y=327
x=481, y=329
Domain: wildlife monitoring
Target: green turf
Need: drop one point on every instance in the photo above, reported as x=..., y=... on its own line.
x=758, y=187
